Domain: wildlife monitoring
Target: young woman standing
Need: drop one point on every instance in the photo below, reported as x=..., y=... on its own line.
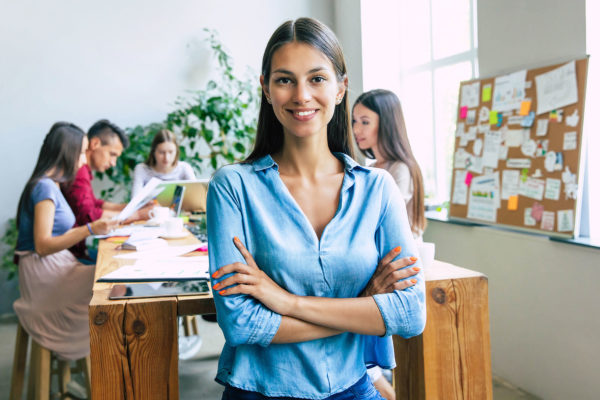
x=297, y=234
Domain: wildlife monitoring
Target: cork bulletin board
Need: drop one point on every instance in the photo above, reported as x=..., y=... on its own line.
x=518, y=147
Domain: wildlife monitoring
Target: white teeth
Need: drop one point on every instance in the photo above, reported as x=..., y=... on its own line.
x=303, y=113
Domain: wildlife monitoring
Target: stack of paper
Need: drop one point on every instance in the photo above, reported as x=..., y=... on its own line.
x=166, y=269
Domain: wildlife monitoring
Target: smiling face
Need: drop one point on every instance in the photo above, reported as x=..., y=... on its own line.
x=365, y=125
x=165, y=154
x=303, y=89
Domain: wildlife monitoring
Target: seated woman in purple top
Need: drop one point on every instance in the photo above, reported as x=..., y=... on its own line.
x=55, y=288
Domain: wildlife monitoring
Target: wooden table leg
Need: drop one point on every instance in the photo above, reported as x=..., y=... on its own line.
x=134, y=349
x=451, y=359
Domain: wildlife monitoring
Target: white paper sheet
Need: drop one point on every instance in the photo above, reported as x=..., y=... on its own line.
x=514, y=137
x=556, y=88
x=469, y=95
x=183, y=268
x=570, y=141
x=510, y=183
x=547, y=221
x=482, y=198
x=518, y=163
x=162, y=253
x=491, y=149
x=148, y=192
x=533, y=188
x=552, y=189
x=528, y=220
x=542, y=127
x=509, y=91
x=565, y=220
x=459, y=195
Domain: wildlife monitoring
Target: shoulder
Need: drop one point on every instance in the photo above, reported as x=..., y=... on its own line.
x=185, y=166
x=398, y=168
x=141, y=168
x=84, y=173
x=45, y=189
x=233, y=174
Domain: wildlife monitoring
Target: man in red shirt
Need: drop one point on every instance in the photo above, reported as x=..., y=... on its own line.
x=106, y=143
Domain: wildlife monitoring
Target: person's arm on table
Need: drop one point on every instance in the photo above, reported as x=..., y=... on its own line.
x=43, y=221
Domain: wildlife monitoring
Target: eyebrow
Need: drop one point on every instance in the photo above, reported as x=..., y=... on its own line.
x=285, y=71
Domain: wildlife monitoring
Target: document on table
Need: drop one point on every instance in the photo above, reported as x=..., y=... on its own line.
x=148, y=192
x=173, y=269
x=161, y=253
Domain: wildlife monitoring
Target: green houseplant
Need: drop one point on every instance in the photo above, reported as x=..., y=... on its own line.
x=215, y=125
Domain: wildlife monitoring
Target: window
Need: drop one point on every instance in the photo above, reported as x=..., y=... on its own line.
x=591, y=122
x=422, y=50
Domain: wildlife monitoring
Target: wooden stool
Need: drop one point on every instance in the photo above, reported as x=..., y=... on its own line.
x=40, y=370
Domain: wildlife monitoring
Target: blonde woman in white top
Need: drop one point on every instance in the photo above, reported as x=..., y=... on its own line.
x=380, y=133
x=162, y=163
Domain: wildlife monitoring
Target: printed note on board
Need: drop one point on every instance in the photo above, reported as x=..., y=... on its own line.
x=565, y=221
x=509, y=91
x=469, y=95
x=556, y=88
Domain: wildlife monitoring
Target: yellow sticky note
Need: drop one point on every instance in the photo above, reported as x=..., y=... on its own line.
x=486, y=93
x=513, y=203
x=525, y=107
x=493, y=117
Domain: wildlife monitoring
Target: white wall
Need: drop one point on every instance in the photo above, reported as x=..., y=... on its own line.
x=542, y=294
x=126, y=61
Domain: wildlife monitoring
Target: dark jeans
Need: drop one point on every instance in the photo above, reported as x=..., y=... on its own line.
x=361, y=390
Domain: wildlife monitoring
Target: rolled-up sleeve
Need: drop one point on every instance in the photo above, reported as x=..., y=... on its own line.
x=243, y=319
x=403, y=311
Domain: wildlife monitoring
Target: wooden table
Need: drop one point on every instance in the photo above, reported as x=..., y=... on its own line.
x=451, y=359
x=134, y=342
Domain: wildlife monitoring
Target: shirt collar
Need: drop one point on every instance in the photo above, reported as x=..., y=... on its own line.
x=267, y=162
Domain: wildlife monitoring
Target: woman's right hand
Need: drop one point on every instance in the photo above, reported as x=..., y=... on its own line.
x=103, y=226
x=391, y=275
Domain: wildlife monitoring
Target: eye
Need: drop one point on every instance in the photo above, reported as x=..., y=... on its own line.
x=283, y=80
x=365, y=122
x=318, y=79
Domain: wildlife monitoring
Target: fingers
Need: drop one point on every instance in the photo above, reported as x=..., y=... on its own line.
x=231, y=268
x=245, y=253
x=390, y=256
x=235, y=279
x=402, y=285
x=398, y=264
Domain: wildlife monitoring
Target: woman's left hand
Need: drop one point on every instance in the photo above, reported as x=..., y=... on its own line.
x=252, y=281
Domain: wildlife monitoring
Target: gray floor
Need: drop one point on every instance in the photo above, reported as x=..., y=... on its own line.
x=196, y=376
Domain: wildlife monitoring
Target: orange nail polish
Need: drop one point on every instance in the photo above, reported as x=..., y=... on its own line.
x=416, y=269
x=236, y=239
x=214, y=275
x=398, y=249
x=413, y=259
x=216, y=286
x=413, y=280
x=222, y=292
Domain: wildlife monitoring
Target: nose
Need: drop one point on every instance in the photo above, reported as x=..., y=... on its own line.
x=302, y=93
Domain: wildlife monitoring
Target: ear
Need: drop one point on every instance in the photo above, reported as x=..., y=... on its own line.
x=265, y=88
x=94, y=143
x=342, y=87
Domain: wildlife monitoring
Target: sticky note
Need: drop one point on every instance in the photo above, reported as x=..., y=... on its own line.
x=513, y=202
x=493, y=117
x=468, y=178
x=525, y=107
x=486, y=93
x=463, y=112
x=499, y=117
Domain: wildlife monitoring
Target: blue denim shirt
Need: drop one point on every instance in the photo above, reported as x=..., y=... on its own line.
x=251, y=201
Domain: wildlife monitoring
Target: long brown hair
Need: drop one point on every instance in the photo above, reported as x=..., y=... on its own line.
x=269, y=135
x=162, y=136
x=393, y=144
x=57, y=160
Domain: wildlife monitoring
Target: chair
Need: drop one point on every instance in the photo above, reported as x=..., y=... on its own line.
x=40, y=370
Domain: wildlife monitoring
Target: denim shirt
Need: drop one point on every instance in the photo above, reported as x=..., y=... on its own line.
x=251, y=201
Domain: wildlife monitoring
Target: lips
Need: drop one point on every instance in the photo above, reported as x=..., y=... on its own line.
x=303, y=115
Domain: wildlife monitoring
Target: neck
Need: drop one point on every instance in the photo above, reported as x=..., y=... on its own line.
x=88, y=156
x=379, y=159
x=306, y=157
x=163, y=170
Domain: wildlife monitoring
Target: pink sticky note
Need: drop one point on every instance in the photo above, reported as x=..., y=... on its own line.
x=463, y=112
x=537, y=210
x=468, y=179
